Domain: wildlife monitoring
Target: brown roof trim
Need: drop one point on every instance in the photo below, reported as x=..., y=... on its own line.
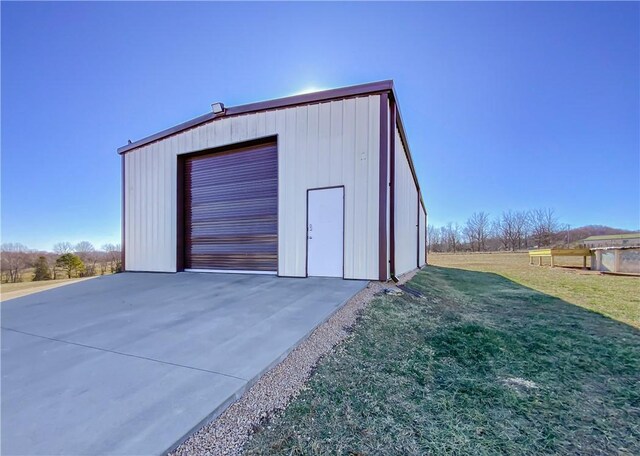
x=296, y=100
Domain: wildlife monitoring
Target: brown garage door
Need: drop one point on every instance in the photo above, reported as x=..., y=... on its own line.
x=231, y=210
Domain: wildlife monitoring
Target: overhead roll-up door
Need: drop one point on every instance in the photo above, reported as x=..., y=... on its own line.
x=231, y=210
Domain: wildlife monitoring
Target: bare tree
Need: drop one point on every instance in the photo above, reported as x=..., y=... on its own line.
x=433, y=239
x=15, y=259
x=63, y=247
x=467, y=235
x=521, y=229
x=544, y=224
x=477, y=230
x=506, y=230
x=114, y=256
x=84, y=247
x=87, y=253
x=512, y=229
x=103, y=261
x=51, y=259
x=453, y=236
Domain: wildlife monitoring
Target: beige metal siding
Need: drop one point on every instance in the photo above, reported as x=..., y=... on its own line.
x=406, y=212
x=320, y=145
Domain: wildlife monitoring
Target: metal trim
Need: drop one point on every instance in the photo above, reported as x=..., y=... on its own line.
x=180, y=219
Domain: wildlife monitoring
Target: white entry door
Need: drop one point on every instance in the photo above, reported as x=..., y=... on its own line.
x=325, y=232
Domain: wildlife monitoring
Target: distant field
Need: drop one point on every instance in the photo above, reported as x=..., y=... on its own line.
x=15, y=290
x=614, y=296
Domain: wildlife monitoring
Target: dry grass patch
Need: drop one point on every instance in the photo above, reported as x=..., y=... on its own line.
x=16, y=290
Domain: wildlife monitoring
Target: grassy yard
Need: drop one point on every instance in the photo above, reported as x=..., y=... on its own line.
x=477, y=365
x=614, y=296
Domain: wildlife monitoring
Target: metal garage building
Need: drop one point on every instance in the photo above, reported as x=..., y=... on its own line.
x=320, y=184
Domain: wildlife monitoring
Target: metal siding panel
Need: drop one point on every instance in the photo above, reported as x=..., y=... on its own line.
x=128, y=204
x=299, y=195
x=238, y=129
x=200, y=139
x=138, y=209
x=334, y=152
x=154, y=196
x=252, y=127
x=145, y=196
x=140, y=215
x=284, y=182
x=211, y=134
x=270, y=122
x=261, y=126
x=360, y=160
x=166, y=220
x=314, y=165
x=348, y=160
x=173, y=184
x=373, y=183
x=182, y=142
x=161, y=220
x=406, y=212
x=135, y=211
x=322, y=154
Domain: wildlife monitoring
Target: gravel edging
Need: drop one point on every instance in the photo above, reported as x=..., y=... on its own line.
x=227, y=434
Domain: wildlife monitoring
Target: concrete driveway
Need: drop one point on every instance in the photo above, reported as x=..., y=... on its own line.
x=132, y=363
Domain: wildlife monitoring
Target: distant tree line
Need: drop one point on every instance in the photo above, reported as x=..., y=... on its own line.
x=66, y=261
x=510, y=231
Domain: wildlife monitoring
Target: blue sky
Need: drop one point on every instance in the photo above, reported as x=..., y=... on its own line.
x=506, y=105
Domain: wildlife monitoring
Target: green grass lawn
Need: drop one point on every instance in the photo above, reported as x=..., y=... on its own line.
x=614, y=296
x=479, y=365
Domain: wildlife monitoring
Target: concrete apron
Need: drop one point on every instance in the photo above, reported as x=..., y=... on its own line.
x=134, y=363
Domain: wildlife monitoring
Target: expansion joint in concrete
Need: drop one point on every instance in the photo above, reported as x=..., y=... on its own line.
x=123, y=354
